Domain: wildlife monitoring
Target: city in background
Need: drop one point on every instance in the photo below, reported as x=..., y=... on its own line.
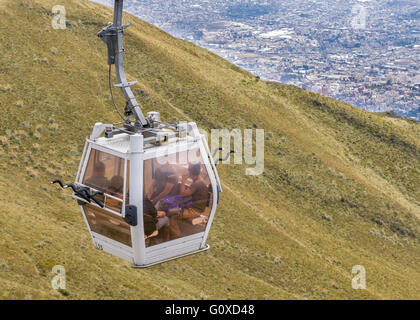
x=365, y=53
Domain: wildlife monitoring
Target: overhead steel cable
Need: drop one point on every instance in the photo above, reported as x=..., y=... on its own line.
x=112, y=95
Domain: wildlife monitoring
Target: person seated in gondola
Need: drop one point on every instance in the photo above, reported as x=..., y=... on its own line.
x=198, y=191
x=98, y=180
x=164, y=184
x=154, y=221
x=190, y=203
x=115, y=186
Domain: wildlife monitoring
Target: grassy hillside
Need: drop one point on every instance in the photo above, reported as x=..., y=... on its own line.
x=340, y=186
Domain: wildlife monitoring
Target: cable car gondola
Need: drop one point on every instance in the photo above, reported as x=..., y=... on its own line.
x=148, y=190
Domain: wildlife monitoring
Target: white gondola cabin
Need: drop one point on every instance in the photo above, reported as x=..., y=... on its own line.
x=128, y=173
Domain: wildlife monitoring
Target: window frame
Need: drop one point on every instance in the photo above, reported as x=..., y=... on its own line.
x=82, y=172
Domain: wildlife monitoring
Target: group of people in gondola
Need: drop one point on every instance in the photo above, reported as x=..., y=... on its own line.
x=168, y=199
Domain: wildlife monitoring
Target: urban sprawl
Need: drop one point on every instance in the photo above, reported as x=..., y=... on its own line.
x=365, y=53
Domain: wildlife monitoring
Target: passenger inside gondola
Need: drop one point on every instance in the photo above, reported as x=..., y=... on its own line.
x=164, y=184
x=98, y=180
x=154, y=222
x=191, y=202
x=197, y=190
x=116, y=185
x=181, y=192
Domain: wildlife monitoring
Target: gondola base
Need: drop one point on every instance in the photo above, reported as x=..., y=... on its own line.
x=173, y=258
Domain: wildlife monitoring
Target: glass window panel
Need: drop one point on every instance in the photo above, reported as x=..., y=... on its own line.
x=105, y=172
x=113, y=204
x=107, y=224
x=177, y=196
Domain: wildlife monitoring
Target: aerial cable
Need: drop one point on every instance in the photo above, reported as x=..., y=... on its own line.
x=112, y=95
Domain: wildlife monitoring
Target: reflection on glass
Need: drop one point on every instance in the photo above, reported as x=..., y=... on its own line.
x=113, y=204
x=178, y=197
x=108, y=224
x=105, y=172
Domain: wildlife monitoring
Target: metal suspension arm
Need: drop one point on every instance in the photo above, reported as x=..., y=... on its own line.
x=112, y=35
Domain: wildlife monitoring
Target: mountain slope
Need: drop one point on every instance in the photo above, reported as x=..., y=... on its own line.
x=340, y=186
